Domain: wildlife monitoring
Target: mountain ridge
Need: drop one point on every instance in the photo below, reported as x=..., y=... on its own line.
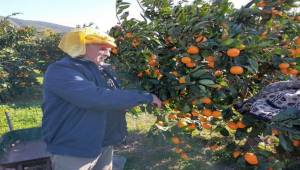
x=39, y=25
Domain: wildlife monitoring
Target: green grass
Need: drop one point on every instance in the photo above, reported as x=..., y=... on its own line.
x=22, y=115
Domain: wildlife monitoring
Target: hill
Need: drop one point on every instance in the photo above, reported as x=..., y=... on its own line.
x=39, y=25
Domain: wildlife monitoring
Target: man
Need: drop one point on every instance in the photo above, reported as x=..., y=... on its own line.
x=83, y=106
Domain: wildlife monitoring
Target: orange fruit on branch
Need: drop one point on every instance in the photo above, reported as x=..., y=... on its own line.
x=211, y=64
x=195, y=114
x=232, y=125
x=193, y=50
x=236, y=154
x=206, y=100
x=206, y=112
x=192, y=126
x=202, y=119
x=236, y=70
x=182, y=80
x=152, y=63
x=191, y=65
x=206, y=125
x=172, y=116
x=200, y=39
x=184, y=156
x=175, y=73
x=210, y=58
x=251, y=158
x=293, y=72
x=114, y=51
x=216, y=114
x=186, y=60
x=284, y=65
x=296, y=143
x=135, y=42
x=275, y=132
x=175, y=140
x=233, y=52
x=178, y=150
x=240, y=125
x=181, y=123
x=297, y=41
x=160, y=123
x=261, y=4
x=128, y=35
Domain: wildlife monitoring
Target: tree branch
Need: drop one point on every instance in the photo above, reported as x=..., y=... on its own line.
x=250, y=4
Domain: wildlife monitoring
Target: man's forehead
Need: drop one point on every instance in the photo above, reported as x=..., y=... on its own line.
x=101, y=45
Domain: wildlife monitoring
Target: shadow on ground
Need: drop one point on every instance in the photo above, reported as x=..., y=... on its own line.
x=144, y=153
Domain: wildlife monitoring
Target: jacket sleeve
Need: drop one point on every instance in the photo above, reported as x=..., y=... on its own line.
x=73, y=87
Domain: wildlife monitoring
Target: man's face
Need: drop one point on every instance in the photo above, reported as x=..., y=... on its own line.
x=98, y=51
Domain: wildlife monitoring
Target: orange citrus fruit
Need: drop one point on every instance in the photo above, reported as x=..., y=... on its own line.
x=240, y=125
x=233, y=52
x=172, y=116
x=293, y=72
x=232, y=125
x=284, y=65
x=236, y=154
x=297, y=41
x=296, y=143
x=128, y=35
x=206, y=100
x=181, y=123
x=186, y=60
x=210, y=58
x=192, y=126
x=236, y=70
x=175, y=140
x=178, y=150
x=181, y=80
x=216, y=114
x=201, y=38
x=206, y=125
x=206, y=112
x=191, y=65
x=251, y=158
x=261, y=4
x=202, y=119
x=195, y=114
x=184, y=156
x=193, y=50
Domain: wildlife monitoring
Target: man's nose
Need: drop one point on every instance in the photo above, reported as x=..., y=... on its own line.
x=107, y=52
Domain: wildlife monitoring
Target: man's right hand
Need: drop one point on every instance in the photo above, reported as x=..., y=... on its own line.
x=156, y=101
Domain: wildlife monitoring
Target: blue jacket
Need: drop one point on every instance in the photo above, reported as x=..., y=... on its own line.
x=84, y=108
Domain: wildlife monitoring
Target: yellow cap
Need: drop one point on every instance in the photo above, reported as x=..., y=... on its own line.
x=73, y=42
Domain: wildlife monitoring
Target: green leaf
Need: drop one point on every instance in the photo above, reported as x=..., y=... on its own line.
x=253, y=65
x=198, y=73
x=285, y=143
x=228, y=42
x=224, y=132
x=206, y=82
x=186, y=108
x=227, y=113
x=122, y=8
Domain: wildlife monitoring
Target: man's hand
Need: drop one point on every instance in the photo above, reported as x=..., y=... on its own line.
x=156, y=101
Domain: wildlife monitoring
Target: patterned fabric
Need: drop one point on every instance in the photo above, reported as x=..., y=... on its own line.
x=273, y=99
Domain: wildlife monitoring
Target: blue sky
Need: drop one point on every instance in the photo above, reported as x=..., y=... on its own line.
x=72, y=12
